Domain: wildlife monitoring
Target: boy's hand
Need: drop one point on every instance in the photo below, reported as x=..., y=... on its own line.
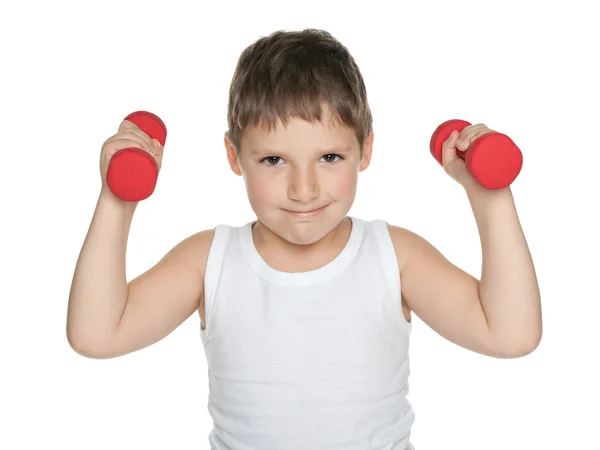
x=128, y=135
x=457, y=143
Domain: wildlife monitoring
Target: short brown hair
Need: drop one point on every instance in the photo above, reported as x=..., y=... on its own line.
x=294, y=74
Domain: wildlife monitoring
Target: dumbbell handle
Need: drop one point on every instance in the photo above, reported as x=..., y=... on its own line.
x=132, y=172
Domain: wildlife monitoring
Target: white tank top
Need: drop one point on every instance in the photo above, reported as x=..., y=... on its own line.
x=313, y=360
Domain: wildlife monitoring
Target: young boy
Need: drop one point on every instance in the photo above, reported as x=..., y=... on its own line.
x=305, y=312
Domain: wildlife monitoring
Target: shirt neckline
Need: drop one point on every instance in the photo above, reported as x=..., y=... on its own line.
x=319, y=275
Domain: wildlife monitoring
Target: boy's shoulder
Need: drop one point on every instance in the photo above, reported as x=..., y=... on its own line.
x=200, y=240
x=405, y=241
x=193, y=250
x=413, y=250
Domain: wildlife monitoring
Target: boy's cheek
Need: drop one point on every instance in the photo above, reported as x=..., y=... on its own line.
x=260, y=192
x=345, y=187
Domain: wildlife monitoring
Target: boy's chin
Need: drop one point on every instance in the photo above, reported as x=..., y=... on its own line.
x=304, y=231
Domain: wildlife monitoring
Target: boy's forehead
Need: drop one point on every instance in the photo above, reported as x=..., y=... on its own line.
x=299, y=134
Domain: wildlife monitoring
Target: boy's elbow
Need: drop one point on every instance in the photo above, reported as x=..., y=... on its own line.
x=522, y=349
x=531, y=345
x=81, y=349
x=85, y=349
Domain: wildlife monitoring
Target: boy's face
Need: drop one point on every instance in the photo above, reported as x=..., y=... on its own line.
x=301, y=180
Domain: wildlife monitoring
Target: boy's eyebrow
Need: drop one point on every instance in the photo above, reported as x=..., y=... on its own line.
x=337, y=150
x=324, y=151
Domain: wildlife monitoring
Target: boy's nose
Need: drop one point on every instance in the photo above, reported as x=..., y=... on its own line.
x=303, y=187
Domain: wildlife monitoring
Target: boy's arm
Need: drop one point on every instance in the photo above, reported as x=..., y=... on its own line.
x=498, y=316
x=163, y=297
x=108, y=317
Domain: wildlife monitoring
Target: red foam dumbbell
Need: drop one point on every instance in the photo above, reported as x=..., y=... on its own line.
x=132, y=172
x=492, y=159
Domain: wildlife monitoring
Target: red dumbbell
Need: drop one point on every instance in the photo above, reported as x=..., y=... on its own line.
x=492, y=159
x=132, y=172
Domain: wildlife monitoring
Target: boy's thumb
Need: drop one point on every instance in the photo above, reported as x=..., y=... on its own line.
x=157, y=147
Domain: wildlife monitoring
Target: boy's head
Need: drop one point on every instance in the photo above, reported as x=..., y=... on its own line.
x=300, y=130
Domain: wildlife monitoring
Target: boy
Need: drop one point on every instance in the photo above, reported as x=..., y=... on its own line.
x=305, y=312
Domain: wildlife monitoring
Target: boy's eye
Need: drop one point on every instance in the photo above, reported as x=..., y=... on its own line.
x=271, y=160
x=331, y=157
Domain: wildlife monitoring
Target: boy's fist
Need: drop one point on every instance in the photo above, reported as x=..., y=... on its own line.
x=453, y=152
x=128, y=135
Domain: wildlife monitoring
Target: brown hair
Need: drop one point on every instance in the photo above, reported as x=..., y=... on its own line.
x=294, y=74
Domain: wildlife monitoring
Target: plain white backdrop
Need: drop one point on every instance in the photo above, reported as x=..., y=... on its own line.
x=71, y=71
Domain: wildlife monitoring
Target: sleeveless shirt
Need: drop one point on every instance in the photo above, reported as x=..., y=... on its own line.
x=313, y=360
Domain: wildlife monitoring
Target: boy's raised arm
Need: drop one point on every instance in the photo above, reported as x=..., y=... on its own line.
x=107, y=316
x=99, y=288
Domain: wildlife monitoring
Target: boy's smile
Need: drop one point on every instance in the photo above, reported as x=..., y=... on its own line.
x=307, y=214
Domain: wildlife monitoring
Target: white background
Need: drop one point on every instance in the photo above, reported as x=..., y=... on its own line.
x=71, y=71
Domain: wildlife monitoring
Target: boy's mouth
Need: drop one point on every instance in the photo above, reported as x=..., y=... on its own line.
x=306, y=214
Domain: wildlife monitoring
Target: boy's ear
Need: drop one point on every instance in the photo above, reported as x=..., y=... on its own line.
x=367, y=152
x=232, y=155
